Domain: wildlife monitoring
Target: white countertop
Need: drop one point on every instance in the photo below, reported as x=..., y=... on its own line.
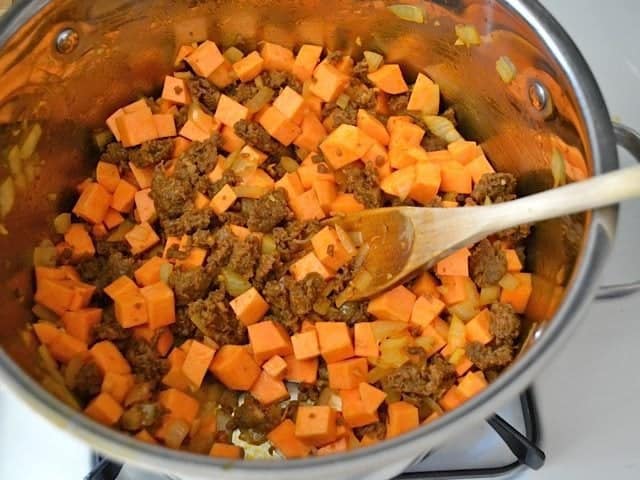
x=588, y=395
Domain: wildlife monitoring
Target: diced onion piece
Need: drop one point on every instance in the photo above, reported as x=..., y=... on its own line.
x=251, y=191
x=506, y=69
x=119, y=233
x=30, y=143
x=166, y=270
x=60, y=391
x=259, y=82
x=468, y=35
x=234, y=283
x=378, y=373
x=7, y=196
x=15, y=161
x=244, y=165
x=509, y=282
x=489, y=295
x=346, y=240
x=269, y=246
x=362, y=256
x=183, y=75
x=425, y=342
x=177, y=431
x=221, y=420
x=322, y=306
x=289, y=164
x=343, y=101
x=49, y=364
x=383, y=329
x=357, y=238
x=442, y=127
x=464, y=310
x=410, y=13
x=73, y=369
x=362, y=280
x=558, y=169
x=393, y=396
x=393, y=352
x=433, y=405
x=260, y=99
x=44, y=256
x=102, y=138
x=457, y=356
x=457, y=333
x=43, y=313
x=233, y=54
x=62, y=223
x=374, y=60
x=140, y=392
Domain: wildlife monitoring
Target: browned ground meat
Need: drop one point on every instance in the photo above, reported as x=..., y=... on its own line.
x=294, y=238
x=194, y=165
x=267, y=265
x=308, y=392
x=398, y=104
x=363, y=183
x=115, y=153
x=376, y=430
x=145, y=361
x=255, y=421
x=513, y=236
x=142, y=415
x=184, y=328
x=361, y=71
x=290, y=301
x=256, y=136
x=152, y=153
x=268, y=212
x=429, y=379
x=190, y=285
x=110, y=329
x=497, y=187
x=361, y=95
x=432, y=143
x=221, y=250
x=101, y=271
x=346, y=116
x=486, y=357
x=181, y=116
x=505, y=323
x=190, y=221
x=204, y=92
x=245, y=256
x=228, y=178
x=170, y=195
x=242, y=92
x=88, y=381
x=487, y=264
x=349, y=313
x=277, y=80
x=219, y=320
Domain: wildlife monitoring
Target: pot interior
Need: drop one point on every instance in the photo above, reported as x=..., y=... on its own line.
x=126, y=47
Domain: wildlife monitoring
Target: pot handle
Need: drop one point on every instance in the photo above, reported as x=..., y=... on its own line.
x=628, y=139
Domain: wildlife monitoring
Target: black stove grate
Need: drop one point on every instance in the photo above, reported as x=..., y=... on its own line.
x=524, y=446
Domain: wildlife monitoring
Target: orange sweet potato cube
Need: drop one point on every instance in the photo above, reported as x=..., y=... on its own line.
x=141, y=238
x=249, y=67
x=427, y=183
x=223, y=200
x=307, y=206
x=276, y=366
x=249, y=307
x=425, y=310
x=108, y=175
x=329, y=249
x=389, y=79
x=160, y=304
x=283, y=437
x=291, y=104
x=235, y=367
x=145, y=206
x=396, y=305
x=205, y=59
x=335, y=341
x=403, y=417
x=165, y=125
x=225, y=450
x=268, y=390
x=456, y=264
x=175, y=90
x=279, y=126
x=104, y=409
x=268, y=339
x=364, y=341
x=80, y=242
x=328, y=82
x=93, y=204
x=345, y=145
x=305, y=345
x=425, y=96
x=123, y=197
x=310, y=263
x=136, y=128
x=229, y=112
x=131, y=310
x=347, y=374
x=306, y=61
x=316, y=424
x=197, y=363
x=276, y=57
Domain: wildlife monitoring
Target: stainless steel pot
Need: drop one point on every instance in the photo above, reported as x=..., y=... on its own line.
x=68, y=64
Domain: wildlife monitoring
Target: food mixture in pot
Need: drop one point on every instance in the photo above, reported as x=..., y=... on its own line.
x=194, y=295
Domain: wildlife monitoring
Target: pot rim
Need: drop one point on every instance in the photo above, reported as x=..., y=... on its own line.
x=597, y=241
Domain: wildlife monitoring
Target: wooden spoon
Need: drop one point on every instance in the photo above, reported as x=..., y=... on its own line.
x=403, y=239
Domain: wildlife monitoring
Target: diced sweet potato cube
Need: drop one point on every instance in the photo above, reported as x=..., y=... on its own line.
x=93, y=204
x=305, y=345
x=249, y=67
x=335, y=341
x=141, y=238
x=329, y=249
x=425, y=96
x=283, y=437
x=104, y=409
x=268, y=390
x=345, y=145
x=396, y=305
x=307, y=206
x=389, y=79
x=229, y=112
x=316, y=424
x=160, y=304
x=403, y=417
x=328, y=82
x=131, y=310
x=235, y=367
x=205, y=59
x=291, y=104
x=223, y=200
x=250, y=307
x=456, y=264
x=279, y=126
x=309, y=264
x=306, y=61
x=276, y=57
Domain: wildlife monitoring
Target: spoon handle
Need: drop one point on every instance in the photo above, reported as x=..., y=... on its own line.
x=595, y=192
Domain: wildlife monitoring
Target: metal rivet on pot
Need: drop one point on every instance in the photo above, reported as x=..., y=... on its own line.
x=538, y=95
x=67, y=41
